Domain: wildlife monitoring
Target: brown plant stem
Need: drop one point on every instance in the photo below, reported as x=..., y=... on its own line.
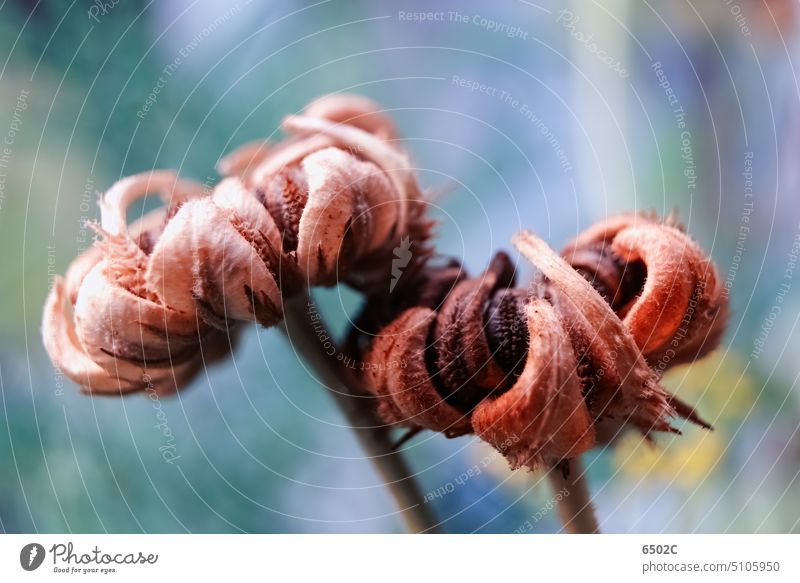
x=575, y=507
x=358, y=407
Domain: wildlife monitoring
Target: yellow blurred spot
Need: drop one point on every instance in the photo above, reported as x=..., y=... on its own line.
x=722, y=392
x=684, y=460
x=718, y=386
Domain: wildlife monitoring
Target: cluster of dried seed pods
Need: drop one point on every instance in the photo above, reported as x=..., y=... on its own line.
x=546, y=372
x=542, y=373
x=155, y=301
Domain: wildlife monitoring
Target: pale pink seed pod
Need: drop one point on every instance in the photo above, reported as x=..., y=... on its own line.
x=154, y=301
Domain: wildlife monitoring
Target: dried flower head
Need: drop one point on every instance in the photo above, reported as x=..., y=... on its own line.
x=541, y=373
x=156, y=300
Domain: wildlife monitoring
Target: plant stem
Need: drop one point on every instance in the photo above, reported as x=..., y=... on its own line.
x=358, y=407
x=575, y=506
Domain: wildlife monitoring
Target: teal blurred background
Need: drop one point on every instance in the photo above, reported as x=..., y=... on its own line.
x=530, y=117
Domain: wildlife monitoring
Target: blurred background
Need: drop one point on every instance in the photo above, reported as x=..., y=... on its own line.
x=530, y=115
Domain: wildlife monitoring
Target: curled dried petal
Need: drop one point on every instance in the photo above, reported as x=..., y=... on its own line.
x=639, y=395
x=203, y=262
x=543, y=417
x=66, y=351
x=400, y=379
x=244, y=159
x=391, y=161
x=355, y=110
x=678, y=311
x=346, y=198
x=464, y=357
x=682, y=303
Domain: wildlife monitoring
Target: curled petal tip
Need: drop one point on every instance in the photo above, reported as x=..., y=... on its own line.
x=355, y=110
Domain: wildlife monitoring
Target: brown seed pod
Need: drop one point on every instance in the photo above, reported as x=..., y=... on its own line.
x=536, y=371
x=670, y=295
x=156, y=300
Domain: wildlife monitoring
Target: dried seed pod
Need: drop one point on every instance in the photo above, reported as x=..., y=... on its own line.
x=103, y=327
x=155, y=301
x=540, y=372
x=637, y=394
x=670, y=295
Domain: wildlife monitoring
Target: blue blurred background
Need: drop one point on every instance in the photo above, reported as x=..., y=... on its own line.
x=530, y=115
